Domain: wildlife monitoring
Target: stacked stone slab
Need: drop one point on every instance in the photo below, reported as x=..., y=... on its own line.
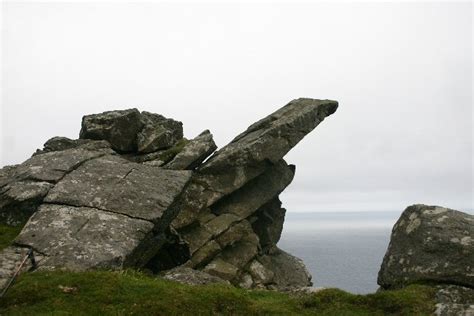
x=132, y=192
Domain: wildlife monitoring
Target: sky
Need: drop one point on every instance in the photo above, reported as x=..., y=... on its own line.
x=402, y=73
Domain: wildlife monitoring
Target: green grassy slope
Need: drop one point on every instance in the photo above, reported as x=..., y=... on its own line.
x=134, y=293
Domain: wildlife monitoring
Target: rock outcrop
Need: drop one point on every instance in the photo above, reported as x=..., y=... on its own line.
x=132, y=192
x=430, y=243
x=433, y=245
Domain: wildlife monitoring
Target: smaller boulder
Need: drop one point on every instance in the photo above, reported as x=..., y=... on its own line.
x=119, y=128
x=430, y=243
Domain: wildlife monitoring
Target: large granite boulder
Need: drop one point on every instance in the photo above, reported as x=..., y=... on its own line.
x=132, y=192
x=430, y=243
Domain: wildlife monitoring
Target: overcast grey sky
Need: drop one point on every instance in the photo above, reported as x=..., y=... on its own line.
x=402, y=74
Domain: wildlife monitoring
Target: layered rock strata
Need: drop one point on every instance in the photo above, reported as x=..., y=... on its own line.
x=132, y=192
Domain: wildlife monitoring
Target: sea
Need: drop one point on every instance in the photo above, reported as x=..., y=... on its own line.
x=340, y=249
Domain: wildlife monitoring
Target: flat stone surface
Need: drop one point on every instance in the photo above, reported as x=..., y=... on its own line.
x=114, y=184
x=430, y=243
x=23, y=186
x=80, y=238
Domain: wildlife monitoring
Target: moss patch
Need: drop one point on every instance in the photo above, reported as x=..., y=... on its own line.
x=134, y=293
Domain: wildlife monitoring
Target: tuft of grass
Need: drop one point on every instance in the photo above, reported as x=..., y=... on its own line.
x=170, y=153
x=8, y=234
x=134, y=293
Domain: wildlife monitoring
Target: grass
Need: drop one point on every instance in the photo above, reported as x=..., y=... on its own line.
x=134, y=293
x=7, y=234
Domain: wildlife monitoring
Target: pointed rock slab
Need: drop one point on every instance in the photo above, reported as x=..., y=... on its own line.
x=268, y=140
x=194, y=152
x=81, y=238
x=430, y=243
x=119, y=128
x=23, y=187
x=114, y=184
x=158, y=132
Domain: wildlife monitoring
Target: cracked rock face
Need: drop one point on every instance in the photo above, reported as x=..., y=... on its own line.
x=430, y=243
x=132, y=192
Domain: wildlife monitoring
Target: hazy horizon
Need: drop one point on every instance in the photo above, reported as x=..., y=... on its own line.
x=402, y=73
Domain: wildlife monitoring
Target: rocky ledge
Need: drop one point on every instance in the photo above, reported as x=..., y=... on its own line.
x=132, y=192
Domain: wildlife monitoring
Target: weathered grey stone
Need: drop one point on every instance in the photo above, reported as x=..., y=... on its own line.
x=119, y=128
x=268, y=223
x=196, y=236
x=289, y=271
x=63, y=143
x=23, y=187
x=193, y=205
x=245, y=281
x=260, y=274
x=220, y=224
x=11, y=258
x=241, y=252
x=52, y=166
x=453, y=300
x=430, y=243
x=256, y=192
x=194, y=152
x=235, y=233
x=205, y=254
x=191, y=276
x=80, y=238
x=114, y=184
x=20, y=199
x=221, y=269
x=158, y=132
